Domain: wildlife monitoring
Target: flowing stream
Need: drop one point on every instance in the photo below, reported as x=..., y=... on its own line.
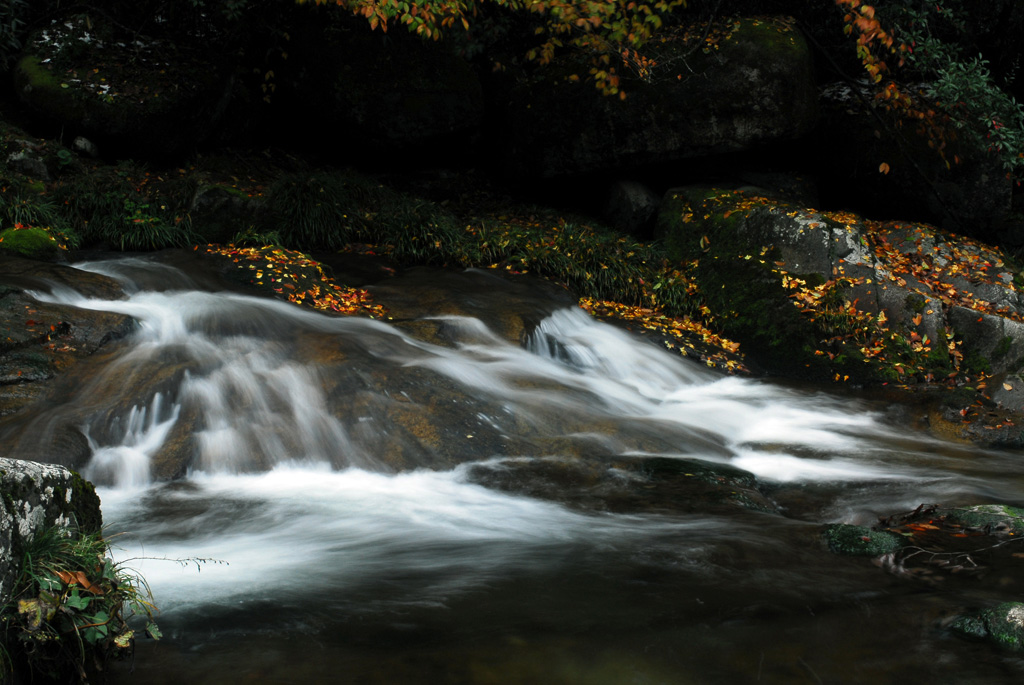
x=308, y=551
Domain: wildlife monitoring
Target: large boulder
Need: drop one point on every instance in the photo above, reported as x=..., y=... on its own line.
x=36, y=497
x=814, y=289
x=756, y=86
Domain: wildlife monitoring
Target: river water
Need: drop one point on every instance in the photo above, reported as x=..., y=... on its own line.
x=294, y=551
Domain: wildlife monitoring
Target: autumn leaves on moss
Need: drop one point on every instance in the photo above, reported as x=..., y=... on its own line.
x=830, y=294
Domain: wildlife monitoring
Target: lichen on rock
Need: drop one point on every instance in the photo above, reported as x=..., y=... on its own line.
x=35, y=497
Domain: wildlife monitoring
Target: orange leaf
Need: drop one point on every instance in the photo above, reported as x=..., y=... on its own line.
x=883, y=168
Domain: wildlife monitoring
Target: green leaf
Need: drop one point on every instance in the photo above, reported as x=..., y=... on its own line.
x=153, y=631
x=76, y=601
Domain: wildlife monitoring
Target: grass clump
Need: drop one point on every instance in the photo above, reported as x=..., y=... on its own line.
x=114, y=206
x=71, y=607
x=331, y=210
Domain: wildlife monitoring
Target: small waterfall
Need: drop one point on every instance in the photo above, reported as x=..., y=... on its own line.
x=260, y=409
x=576, y=339
x=256, y=405
x=127, y=463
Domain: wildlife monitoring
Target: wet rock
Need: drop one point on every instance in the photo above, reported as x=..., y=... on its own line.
x=424, y=301
x=44, y=346
x=977, y=545
x=43, y=340
x=843, y=538
x=626, y=485
x=1002, y=625
x=988, y=517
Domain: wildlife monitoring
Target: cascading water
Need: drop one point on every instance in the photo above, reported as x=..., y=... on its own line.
x=345, y=562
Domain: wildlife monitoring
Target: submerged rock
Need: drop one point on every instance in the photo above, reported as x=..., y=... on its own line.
x=1002, y=625
x=843, y=538
x=627, y=485
x=822, y=292
x=989, y=517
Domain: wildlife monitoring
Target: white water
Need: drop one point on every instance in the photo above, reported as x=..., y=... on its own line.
x=288, y=492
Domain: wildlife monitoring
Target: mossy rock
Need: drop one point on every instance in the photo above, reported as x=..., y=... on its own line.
x=35, y=497
x=860, y=541
x=992, y=516
x=708, y=227
x=1002, y=625
x=33, y=243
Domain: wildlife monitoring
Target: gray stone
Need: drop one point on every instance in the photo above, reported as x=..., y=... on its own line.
x=997, y=339
x=849, y=540
x=36, y=497
x=86, y=147
x=28, y=163
x=1010, y=393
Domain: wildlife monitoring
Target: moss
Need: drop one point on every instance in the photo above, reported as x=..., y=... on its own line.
x=975, y=364
x=34, y=243
x=1003, y=347
x=85, y=505
x=1002, y=625
x=47, y=90
x=743, y=293
x=916, y=302
x=860, y=541
x=988, y=515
